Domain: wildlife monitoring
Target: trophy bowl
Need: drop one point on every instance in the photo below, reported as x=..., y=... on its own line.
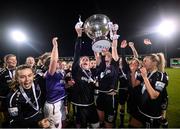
x=96, y=27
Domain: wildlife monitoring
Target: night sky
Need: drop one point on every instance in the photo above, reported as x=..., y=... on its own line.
x=43, y=20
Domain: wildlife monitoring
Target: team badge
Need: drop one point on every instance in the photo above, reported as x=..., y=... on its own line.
x=13, y=111
x=110, y=118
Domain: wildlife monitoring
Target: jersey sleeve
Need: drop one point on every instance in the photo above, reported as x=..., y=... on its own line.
x=14, y=108
x=161, y=83
x=77, y=49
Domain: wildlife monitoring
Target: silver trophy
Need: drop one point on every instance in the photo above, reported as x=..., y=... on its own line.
x=96, y=27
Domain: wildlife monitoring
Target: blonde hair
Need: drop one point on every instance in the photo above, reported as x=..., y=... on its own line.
x=135, y=59
x=14, y=83
x=6, y=57
x=162, y=62
x=159, y=58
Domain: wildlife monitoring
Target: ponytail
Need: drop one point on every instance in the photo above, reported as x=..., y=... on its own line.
x=161, y=63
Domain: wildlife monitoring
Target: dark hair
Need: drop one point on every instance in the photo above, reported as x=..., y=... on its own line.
x=47, y=62
x=45, y=56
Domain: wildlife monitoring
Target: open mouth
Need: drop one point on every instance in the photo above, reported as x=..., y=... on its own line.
x=107, y=61
x=85, y=64
x=27, y=83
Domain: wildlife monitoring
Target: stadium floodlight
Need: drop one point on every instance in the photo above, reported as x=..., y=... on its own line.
x=18, y=36
x=166, y=28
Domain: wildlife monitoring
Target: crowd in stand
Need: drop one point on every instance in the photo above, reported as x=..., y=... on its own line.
x=49, y=92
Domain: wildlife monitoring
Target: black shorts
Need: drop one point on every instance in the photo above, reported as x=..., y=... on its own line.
x=150, y=123
x=123, y=96
x=146, y=121
x=86, y=115
x=107, y=104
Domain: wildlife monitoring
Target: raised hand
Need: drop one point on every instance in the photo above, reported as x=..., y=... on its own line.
x=79, y=31
x=79, y=28
x=131, y=44
x=54, y=41
x=113, y=27
x=147, y=41
x=123, y=44
x=54, y=57
x=79, y=25
x=113, y=31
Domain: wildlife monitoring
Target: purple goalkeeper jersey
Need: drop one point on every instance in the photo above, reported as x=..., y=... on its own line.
x=55, y=87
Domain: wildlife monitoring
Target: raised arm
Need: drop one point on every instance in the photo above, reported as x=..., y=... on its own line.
x=131, y=45
x=77, y=45
x=148, y=48
x=124, y=63
x=54, y=57
x=115, y=55
x=97, y=57
x=77, y=50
